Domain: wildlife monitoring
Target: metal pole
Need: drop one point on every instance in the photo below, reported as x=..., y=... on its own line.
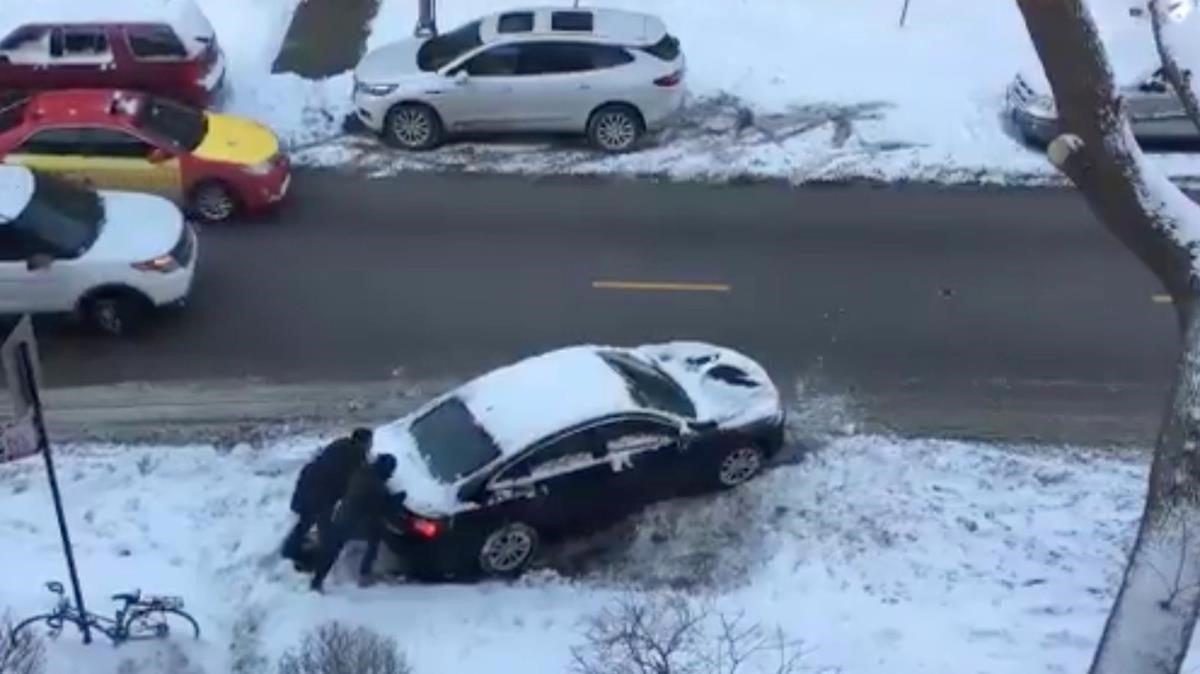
x=39, y=423
x=904, y=13
x=426, y=18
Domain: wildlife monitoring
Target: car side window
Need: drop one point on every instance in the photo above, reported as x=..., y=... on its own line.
x=14, y=245
x=498, y=61
x=155, y=42
x=636, y=435
x=607, y=56
x=80, y=45
x=53, y=142
x=571, y=21
x=24, y=38
x=554, y=58
x=114, y=143
x=557, y=455
x=515, y=22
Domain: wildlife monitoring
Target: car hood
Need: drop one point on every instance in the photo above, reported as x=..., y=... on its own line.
x=236, y=140
x=726, y=387
x=137, y=227
x=391, y=62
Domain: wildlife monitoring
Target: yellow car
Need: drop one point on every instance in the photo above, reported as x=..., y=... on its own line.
x=214, y=166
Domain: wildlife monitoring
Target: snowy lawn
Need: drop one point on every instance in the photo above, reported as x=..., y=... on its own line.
x=798, y=90
x=882, y=555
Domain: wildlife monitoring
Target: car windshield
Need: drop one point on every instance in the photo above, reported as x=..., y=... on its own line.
x=650, y=386
x=440, y=50
x=183, y=127
x=63, y=217
x=452, y=442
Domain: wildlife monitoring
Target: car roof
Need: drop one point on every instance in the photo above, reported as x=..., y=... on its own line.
x=537, y=397
x=608, y=25
x=184, y=15
x=80, y=106
x=16, y=187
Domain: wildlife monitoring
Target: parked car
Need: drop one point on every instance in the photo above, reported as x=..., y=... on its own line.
x=557, y=444
x=1155, y=112
x=166, y=47
x=109, y=257
x=213, y=165
x=612, y=75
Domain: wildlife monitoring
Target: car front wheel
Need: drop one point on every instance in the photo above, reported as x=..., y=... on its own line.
x=615, y=128
x=507, y=551
x=738, y=465
x=116, y=314
x=412, y=127
x=213, y=202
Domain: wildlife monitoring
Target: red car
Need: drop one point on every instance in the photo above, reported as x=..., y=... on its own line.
x=213, y=165
x=166, y=47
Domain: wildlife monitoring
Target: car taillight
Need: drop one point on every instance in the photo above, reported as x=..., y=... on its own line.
x=670, y=80
x=425, y=528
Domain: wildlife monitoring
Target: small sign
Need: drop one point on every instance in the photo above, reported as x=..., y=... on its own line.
x=17, y=368
x=18, y=439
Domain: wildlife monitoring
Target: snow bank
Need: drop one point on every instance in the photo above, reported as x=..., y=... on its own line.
x=780, y=89
x=882, y=555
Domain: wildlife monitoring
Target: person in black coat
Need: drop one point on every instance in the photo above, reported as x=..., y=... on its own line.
x=322, y=483
x=367, y=508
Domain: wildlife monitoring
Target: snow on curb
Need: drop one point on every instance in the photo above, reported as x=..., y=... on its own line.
x=914, y=556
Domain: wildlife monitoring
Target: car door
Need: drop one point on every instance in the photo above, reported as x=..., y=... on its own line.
x=23, y=290
x=562, y=484
x=550, y=91
x=80, y=57
x=483, y=99
x=103, y=158
x=647, y=456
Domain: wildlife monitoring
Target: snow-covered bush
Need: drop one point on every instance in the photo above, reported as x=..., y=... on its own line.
x=20, y=654
x=674, y=634
x=334, y=648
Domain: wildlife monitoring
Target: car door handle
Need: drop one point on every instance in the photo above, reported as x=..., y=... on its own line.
x=585, y=87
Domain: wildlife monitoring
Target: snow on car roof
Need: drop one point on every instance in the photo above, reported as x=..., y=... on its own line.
x=616, y=25
x=184, y=15
x=524, y=402
x=16, y=187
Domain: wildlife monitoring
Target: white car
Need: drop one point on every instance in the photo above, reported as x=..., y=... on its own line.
x=612, y=75
x=109, y=256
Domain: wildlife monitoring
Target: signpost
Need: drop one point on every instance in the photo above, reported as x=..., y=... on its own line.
x=28, y=435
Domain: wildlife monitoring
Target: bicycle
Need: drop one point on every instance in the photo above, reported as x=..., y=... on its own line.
x=139, y=618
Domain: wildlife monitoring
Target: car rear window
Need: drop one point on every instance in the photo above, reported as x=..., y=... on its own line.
x=666, y=49
x=452, y=442
x=154, y=42
x=574, y=22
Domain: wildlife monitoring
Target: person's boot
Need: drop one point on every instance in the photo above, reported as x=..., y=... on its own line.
x=317, y=585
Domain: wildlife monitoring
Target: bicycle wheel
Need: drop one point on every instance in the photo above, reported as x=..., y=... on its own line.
x=155, y=624
x=53, y=621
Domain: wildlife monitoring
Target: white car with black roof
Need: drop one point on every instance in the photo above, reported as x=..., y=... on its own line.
x=558, y=444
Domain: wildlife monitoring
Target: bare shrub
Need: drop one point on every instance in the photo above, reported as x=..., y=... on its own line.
x=673, y=634
x=24, y=653
x=334, y=648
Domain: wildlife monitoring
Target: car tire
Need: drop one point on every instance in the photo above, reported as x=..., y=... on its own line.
x=213, y=202
x=116, y=313
x=508, y=551
x=738, y=465
x=615, y=128
x=412, y=126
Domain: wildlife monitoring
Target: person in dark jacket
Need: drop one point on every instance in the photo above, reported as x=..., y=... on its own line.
x=367, y=508
x=322, y=483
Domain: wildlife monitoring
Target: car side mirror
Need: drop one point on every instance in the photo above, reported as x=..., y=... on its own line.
x=158, y=156
x=39, y=262
x=697, y=427
x=461, y=76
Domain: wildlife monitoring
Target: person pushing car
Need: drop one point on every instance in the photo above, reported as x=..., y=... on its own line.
x=367, y=508
x=321, y=484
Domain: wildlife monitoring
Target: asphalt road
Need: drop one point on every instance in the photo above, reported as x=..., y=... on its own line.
x=978, y=313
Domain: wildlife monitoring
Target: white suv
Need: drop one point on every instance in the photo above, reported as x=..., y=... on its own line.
x=610, y=74
x=110, y=256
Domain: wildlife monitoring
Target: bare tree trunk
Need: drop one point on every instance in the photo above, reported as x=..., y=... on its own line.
x=1153, y=617
x=1180, y=81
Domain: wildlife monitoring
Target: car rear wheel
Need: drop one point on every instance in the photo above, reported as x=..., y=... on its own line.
x=739, y=465
x=213, y=202
x=116, y=313
x=615, y=128
x=507, y=551
x=413, y=127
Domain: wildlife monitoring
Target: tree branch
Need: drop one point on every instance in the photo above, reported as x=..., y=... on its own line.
x=1180, y=80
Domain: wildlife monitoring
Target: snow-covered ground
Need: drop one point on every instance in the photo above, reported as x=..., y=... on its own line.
x=881, y=555
x=792, y=89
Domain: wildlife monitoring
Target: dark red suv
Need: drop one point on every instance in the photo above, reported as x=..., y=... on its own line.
x=166, y=47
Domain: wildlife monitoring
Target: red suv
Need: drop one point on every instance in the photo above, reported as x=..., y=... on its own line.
x=166, y=47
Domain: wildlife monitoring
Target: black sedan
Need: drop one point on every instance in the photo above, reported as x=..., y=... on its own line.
x=563, y=442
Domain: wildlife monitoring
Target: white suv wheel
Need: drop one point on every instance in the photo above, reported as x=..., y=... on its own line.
x=615, y=129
